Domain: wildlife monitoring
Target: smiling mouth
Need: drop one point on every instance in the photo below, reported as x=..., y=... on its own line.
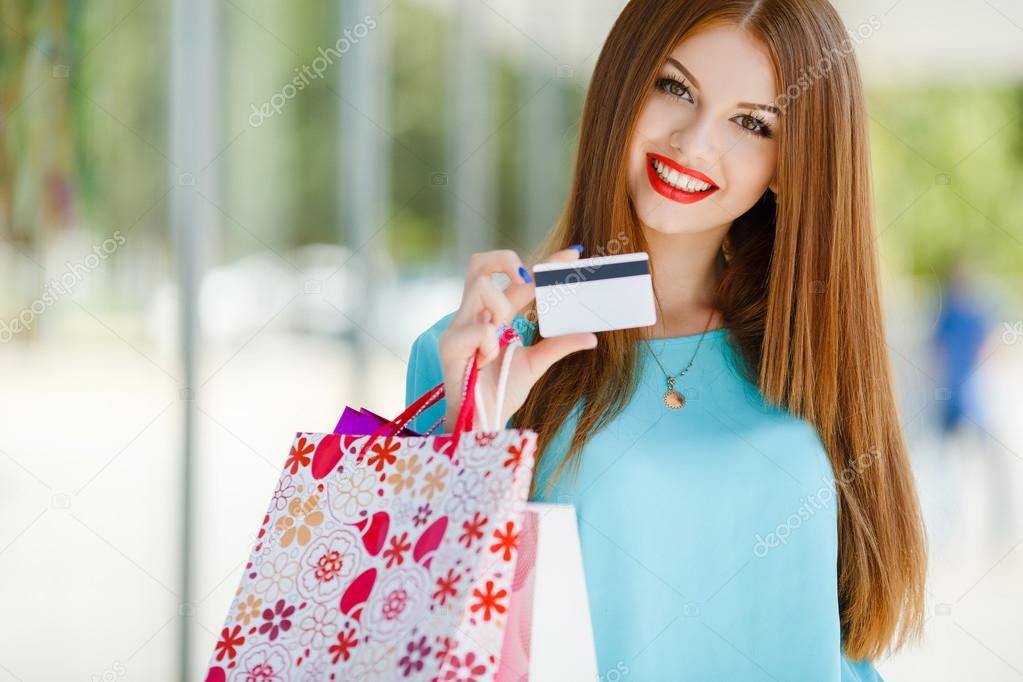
x=673, y=182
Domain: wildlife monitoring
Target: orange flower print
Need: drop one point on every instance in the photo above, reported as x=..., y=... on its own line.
x=488, y=600
x=383, y=454
x=404, y=475
x=434, y=481
x=506, y=540
x=229, y=642
x=299, y=456
x=297, y=524
x=249, y=609
x=515, y=452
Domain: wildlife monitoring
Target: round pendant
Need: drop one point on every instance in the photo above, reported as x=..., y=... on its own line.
x=673, y=399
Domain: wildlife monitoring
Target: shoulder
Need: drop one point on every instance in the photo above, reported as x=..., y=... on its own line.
x=433, y=332
x=424, y=358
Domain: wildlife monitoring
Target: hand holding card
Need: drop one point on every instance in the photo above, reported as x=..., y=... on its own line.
x=476, y=328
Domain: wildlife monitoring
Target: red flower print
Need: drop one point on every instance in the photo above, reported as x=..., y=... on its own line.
x=444, y=647
x=383, y=454
x=473, y=529
x=395, y=553
x=328, y=566
x=488, y=601
x=507, y=541
x=299, y=456
x=414, y=659
x=446, y=587
x=463, y=670
x=485, y=438
x=346, y=641
x=516, y=452
x=277, y=620
x=229, y=640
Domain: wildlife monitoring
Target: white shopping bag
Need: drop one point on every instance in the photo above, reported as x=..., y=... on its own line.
x=549, y=635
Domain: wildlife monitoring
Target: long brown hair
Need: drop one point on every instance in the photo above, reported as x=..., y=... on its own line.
x=799, y=291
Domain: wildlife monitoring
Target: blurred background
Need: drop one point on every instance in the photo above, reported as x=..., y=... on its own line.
x=223, y=220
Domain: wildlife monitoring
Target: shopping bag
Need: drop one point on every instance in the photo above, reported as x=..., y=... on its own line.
x=385, y=557
x=549, y=636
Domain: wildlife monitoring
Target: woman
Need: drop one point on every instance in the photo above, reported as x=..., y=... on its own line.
x=768, y=528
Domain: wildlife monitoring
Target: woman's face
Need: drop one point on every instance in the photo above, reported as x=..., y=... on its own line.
x=703, y=119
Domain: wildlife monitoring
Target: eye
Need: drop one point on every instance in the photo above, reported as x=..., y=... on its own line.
x=755, y=125
x=674, y=89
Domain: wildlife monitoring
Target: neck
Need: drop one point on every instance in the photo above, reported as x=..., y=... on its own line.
x=686, y=270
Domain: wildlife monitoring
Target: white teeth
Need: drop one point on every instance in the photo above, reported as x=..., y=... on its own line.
x=679, y=180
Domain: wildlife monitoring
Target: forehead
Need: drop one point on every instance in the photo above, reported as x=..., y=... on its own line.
x=728, y=64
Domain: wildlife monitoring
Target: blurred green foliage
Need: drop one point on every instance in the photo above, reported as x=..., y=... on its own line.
x=948, y=173
x=85, y=93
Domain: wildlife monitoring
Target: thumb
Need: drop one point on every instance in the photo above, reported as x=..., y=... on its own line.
x=542, y=355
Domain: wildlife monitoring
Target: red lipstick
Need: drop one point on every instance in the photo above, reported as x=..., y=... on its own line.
x=674, y=193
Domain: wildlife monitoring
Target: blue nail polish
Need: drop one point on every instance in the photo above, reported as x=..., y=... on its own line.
x=577, y=247
x=525, y=275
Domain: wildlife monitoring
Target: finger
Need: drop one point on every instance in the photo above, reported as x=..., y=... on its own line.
x=563, y=255
x=489, y=262
x=461, y=342
x=540, y=356
x=489, y=345
x=483, y=302
x=521, y=293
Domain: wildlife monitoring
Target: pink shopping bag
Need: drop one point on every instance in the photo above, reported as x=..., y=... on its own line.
x=385, y=557
x=548, y=634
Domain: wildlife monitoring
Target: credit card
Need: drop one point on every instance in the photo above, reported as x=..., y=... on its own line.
x=595, y=294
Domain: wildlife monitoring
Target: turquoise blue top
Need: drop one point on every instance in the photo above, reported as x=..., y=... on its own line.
x=709, y=533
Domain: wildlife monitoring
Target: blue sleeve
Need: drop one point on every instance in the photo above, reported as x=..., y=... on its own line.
x=859, y=671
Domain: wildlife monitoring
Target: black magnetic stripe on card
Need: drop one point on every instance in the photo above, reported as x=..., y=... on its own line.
x=589, y=273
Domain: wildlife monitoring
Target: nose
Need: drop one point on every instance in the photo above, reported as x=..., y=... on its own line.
x=696, y=146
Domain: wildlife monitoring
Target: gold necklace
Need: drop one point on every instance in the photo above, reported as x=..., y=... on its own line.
x=673, y=399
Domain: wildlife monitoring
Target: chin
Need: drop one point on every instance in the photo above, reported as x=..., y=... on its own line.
x=675, y=228
x=673, y=219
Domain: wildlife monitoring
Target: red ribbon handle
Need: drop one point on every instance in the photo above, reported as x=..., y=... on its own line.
x=466, y=414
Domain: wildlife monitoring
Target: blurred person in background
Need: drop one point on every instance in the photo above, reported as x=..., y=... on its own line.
x=961, y=334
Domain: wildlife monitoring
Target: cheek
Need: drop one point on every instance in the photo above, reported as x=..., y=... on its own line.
x=748, y=167
x=657, y=121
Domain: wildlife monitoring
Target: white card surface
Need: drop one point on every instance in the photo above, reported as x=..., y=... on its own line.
x=594, y=294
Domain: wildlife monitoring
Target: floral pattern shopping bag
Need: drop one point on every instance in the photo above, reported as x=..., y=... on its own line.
x=385, y=557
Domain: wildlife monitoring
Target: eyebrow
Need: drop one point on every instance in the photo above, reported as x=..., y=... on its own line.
x=766, y=107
